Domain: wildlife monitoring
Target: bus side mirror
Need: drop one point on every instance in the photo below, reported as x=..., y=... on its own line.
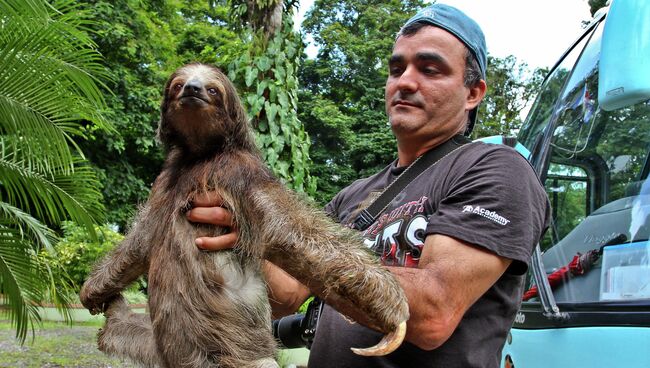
x=624, y=69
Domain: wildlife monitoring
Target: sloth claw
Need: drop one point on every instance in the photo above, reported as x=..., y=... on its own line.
x=388, y=344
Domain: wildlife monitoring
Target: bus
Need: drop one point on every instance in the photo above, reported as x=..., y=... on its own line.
x=587, y=302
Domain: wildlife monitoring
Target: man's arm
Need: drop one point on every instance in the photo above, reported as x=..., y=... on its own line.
x=286, y=294
x=451, y=276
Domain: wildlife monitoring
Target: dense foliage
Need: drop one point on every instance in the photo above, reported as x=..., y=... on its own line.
x=144, y=41
x=594, y=5
x=266, y=74
x=77, y=252
x=511, y=87
x=342, y=88
x=49, y=70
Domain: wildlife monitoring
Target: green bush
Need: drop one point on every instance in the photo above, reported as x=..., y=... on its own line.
x=77, y=252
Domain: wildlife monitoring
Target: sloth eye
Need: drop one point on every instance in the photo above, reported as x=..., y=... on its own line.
x=212, y=91
x=177, y=86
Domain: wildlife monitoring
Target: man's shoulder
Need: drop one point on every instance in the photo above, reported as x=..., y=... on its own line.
x=500, y=151
x=494, y=158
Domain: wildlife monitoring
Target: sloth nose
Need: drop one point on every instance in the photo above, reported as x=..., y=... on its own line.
x=193, y=86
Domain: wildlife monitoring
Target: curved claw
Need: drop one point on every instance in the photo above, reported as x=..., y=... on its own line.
x=388, y=344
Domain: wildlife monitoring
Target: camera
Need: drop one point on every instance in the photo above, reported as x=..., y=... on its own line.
x=298, y=330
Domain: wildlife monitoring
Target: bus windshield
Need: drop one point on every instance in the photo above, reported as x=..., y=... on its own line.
x=596, y=179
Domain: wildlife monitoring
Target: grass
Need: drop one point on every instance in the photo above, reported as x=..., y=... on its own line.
x=55, y=345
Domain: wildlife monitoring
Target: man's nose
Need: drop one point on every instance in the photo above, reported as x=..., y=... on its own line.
x=408, y=80
x=193, y=86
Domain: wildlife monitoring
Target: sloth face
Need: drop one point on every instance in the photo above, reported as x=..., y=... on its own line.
x=196, y=87
x=200, y=109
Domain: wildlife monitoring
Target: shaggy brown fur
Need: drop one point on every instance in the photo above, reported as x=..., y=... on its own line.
x=210, y=309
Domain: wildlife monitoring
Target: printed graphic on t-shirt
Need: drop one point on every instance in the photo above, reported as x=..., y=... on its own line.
x=490, y=215
x=397, y=237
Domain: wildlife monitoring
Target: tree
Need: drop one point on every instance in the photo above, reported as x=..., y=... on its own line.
x=594, y=5
x=49, y=70
x=266, y=76
x=511, y=86
x=342, y=89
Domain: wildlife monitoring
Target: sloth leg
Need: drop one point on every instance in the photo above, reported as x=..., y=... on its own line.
x=128, y=335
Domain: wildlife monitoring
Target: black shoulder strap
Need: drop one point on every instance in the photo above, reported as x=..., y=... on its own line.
x=368, y=216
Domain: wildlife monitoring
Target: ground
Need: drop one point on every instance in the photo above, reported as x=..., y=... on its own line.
x=55, y=345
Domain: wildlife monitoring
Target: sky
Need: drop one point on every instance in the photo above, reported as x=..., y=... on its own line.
x=534, y=31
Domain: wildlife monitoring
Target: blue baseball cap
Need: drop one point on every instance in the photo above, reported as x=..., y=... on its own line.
x=465, y=29
x=460, y=25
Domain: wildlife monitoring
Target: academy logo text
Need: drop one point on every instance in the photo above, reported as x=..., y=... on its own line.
x=490, y=215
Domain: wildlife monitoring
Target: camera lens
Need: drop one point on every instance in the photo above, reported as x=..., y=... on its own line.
x=289, y=331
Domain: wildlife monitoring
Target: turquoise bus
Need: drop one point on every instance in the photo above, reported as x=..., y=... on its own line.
x=588, y=133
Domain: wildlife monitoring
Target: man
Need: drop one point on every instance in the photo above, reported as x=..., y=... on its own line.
x=458, y=237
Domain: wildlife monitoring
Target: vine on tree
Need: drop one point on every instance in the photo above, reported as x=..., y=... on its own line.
x=266, y=76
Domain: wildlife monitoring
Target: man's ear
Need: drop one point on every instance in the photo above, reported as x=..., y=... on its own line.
x=475, y=95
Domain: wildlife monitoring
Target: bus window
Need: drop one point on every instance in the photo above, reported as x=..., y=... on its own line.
x=568, y=190
x=544, y=105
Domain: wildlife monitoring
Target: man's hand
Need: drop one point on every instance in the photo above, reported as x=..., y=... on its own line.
x=207, y=209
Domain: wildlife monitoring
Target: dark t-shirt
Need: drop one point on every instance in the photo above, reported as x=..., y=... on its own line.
x=483, y=194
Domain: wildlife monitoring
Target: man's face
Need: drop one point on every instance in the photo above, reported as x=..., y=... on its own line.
x=425, y=95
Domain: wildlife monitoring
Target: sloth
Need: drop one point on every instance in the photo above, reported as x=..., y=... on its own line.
x=211, y=309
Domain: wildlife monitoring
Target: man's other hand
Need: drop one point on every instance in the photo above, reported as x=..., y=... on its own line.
x=208, y=209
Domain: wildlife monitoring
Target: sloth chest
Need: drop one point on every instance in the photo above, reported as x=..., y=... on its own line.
x=221, y=274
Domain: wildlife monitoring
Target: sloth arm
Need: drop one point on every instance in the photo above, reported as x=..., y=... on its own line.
x=117, y=271
x=450, y=277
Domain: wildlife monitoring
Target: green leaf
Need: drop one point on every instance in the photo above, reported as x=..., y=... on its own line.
x=273, y=92
x=263, y=63
x=261, y=87
x=280, y=72
x=283, y=100
x=263, y=126
x=283, y=169
x=250, y=76
x=271, y=111
x=278, y=143
x=271, y=156
x=51, y=79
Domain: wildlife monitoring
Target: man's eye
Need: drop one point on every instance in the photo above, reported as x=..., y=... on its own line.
x=430, y=71
x=395, y=70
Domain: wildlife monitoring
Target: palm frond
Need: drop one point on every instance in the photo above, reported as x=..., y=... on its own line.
x=50, y=83
x=50, y=77
x=28, y=226
x=21, y=290
x=55, y=196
